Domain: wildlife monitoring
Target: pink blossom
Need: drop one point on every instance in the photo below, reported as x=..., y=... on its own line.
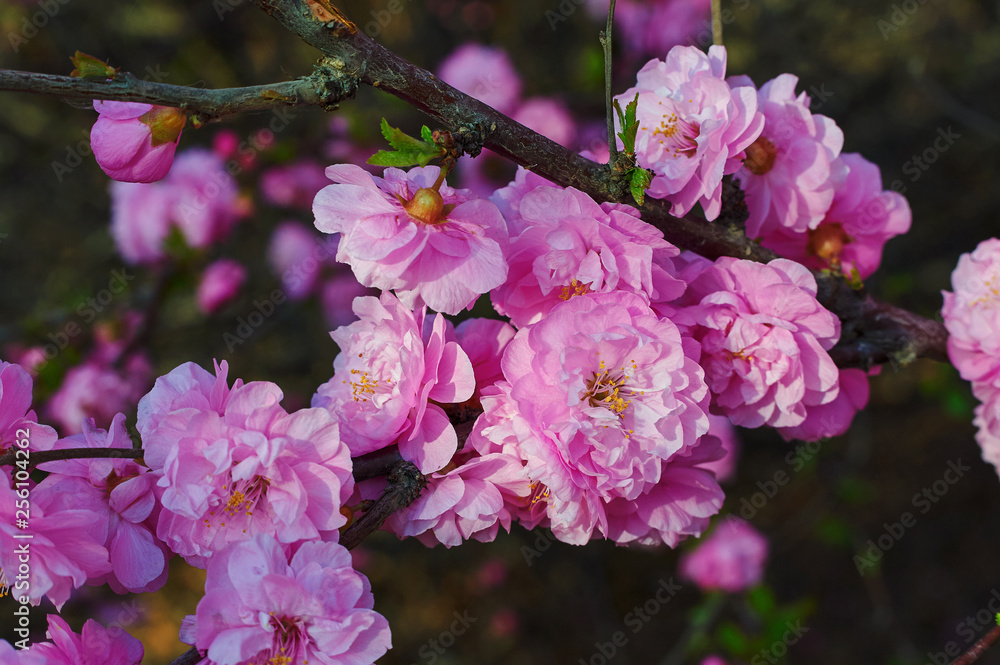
x=394, y=369
x=261, y=605
x=570, y=245
x=732, y=558
x=297, y=255
x=693, y=128
x=860, y=221
x=484, y=341
x=198, y=198
x=485, y=73
x=102, y=386
x=598, y=395
x=11, y=656
x=135, y=142
x=549, y=117
x=400, y=233
x=17, y=421
x=833, y=418
x=720, y=428
x=293, y=185
x=790, y=172
x=972, y=315
x=713, y=660
x=95, y=645
x=468, y=502
x=122, y=492
x=764, y=340
x=66, y=540
x=220, y=284
x=232, y=463
x=987, y=422
x=508, y=199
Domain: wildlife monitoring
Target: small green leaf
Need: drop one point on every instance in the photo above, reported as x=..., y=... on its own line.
x=628, y=123
x=640, y=182
x=89, y=67
x=408, y=150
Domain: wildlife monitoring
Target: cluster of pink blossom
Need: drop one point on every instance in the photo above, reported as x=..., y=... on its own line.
x=198, y=200
x=95, y=644
x=972, y=317
x=805, y=199
x=231, y=463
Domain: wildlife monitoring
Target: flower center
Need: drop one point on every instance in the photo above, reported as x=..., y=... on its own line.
x=760, y=156
x=608, y=390
x=288, y=638
x=363, y=386
x=827, y=240
x=679, y=135
x=575, y=288
x=243, y=497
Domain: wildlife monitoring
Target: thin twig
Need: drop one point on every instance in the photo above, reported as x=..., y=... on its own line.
x=977, y=649
x=717, y=22
x=606, y=42
x=43, y=456
x=325, y=88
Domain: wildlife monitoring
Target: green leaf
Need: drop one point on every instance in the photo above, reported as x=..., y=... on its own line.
x=629, y=125
x=89, y=67
x=640, y=182
x=408, y=150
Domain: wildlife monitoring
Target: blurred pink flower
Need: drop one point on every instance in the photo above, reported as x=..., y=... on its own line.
x=485, y=73
x=653, y=27
x=96, y=645
x=724, y=468
x=121, y=492
x=693, y=128
x=198, y=198
x=439, y=249
x=233, y=463
x=394, y=369
x=549, y=117
x=854, y=230
x=336, y=297
x=297, y=255
x=135, y=142
x=730, y=559
x=220, y=284
x=790, y=172
x=569, y=245
x=262, y=605
x=764, y=340
x=293, y=185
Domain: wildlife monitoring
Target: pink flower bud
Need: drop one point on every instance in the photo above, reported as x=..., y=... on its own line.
x=220, y=283
x=135, y=142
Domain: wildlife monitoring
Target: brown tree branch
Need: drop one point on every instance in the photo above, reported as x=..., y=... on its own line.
x=43, y=456
x=326, y=87
x=874, y=332
x=977, y=649
x=405, y=482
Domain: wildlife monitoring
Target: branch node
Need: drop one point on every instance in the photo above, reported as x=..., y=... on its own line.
x=468, y=139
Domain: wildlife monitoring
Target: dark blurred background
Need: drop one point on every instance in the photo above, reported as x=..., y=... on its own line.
x=893, y=75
